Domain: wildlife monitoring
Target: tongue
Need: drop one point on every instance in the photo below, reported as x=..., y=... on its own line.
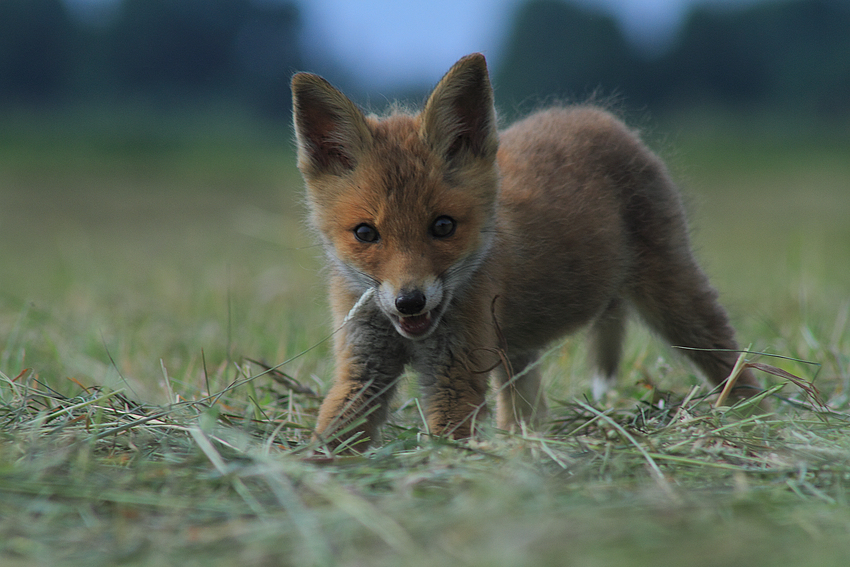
x=416, y=324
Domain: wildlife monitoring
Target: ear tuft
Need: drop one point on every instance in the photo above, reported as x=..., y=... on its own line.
x=459, y=119
x=331, y=131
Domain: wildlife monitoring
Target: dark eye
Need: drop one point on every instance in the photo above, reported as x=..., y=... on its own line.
x=365, y=233
x=443, y=227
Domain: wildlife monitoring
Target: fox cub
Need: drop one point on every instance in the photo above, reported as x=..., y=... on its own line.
x=462, y=251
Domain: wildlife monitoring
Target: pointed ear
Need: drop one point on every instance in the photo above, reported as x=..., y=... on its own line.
x=459, y=120
x=331, y=131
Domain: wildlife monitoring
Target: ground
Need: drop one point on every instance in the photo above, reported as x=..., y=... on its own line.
x=146, y=278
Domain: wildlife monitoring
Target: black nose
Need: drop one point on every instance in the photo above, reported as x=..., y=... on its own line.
x=410, y=302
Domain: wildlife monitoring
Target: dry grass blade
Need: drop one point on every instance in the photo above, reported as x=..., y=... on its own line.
x=284, y=379
x=218, y=462
x=807, y=387
x=371, y=518
x=657, y=474
x=731, y=380
x=74, y=407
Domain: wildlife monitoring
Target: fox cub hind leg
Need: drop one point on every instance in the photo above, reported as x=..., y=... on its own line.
x=606, y=344
x=519, y=392
x=676, y=299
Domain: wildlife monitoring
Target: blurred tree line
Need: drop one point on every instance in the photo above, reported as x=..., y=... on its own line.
x=792, y=54
x=156, y=52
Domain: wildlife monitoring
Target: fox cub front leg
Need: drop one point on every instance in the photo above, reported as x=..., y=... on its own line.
x=454, y=392
x=369, y=361
x=370, y=357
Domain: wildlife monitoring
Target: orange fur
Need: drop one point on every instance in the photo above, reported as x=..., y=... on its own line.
x=476, y=242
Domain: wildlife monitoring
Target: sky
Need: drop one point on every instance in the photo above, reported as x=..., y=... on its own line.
x=406, y=40
x=399, y=43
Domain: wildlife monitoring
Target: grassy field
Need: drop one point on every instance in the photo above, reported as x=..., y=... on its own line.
x=143, y=270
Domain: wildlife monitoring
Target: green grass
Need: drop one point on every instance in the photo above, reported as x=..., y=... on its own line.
x=139, y=273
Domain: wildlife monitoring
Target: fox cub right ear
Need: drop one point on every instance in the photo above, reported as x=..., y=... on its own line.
x=459, y=119
x=330, y=130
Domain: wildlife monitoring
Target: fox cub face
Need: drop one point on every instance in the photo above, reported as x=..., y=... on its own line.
x=403, y=204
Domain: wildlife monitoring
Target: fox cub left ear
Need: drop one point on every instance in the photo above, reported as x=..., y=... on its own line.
x=459, y=119
x=331, y=131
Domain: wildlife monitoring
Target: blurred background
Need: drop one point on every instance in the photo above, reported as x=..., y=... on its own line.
x=150, y=207
x=661, y=55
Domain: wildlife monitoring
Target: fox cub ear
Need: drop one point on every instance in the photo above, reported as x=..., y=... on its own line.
x=459, y=120
x=330, y=130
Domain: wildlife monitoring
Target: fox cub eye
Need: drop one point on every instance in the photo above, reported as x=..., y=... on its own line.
x=365, y=233
x=443, y=227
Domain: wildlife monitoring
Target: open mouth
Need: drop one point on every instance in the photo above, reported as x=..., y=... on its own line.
x=415, y=325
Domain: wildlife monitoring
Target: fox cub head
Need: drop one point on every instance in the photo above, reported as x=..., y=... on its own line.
x=404, y=204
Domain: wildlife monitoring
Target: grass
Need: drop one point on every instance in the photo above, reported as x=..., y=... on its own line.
x=138, y=285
